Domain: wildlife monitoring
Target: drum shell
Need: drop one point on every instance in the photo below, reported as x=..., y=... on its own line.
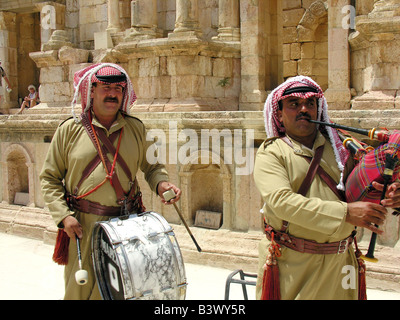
x=138, y=257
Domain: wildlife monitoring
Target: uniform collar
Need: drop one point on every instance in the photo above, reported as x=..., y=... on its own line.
x=302, y=150
x=118, y=123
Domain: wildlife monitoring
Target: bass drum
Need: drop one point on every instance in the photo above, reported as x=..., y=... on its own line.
x=138, y=257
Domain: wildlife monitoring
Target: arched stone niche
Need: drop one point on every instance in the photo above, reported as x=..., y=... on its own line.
x=206, y=186
x=18, y=174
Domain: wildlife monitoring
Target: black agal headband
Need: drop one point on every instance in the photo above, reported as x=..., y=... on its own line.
x=302, y=89
x=111, y=78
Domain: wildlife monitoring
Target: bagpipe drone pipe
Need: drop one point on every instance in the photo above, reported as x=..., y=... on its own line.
x=380, y=164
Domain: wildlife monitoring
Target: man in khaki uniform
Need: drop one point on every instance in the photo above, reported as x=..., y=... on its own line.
x=106, y=93
x=317, y=259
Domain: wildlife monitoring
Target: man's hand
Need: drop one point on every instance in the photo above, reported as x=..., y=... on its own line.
x=72, y=227
x=366, y=215
x=164, y=186
x=392, y=197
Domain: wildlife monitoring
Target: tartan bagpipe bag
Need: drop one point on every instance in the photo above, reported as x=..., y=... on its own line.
x=370, y=168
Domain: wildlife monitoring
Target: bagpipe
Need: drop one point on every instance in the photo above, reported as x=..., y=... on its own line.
x=380, y=164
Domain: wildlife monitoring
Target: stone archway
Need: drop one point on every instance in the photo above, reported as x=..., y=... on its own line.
x=313, y=43
x=206, y=186
x=18, y=174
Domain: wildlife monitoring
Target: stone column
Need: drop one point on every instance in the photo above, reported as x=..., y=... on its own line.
x=9, y=57
x=338, y=93
x=143, y=20
x=226, y=196
x=6, y=194
x=252, y=94
x=229, y=21
x=187, y=19
x=375, y=54
x=31, y=181
x=114, y=24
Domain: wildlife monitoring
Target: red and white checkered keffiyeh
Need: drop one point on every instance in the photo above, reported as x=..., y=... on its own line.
x=84, y=79
x=274, y=128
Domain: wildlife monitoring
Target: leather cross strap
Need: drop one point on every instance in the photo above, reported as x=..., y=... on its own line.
x=93, y=164
x=331, y=183
x=115, y=181
x=312, y=170
x=128, y=201
x=108, y=144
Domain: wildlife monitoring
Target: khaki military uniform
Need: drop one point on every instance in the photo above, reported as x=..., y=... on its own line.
x=279, y=171
x=70, y=152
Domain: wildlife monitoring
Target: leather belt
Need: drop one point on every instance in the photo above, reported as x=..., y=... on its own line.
x=309, y=246
x=87, y=206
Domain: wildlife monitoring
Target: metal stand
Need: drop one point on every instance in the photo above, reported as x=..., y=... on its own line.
x=241, y=281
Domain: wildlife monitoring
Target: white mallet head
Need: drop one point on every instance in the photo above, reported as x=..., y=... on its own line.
x=81, y=277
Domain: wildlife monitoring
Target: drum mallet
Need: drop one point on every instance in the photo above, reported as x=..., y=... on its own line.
x=168, y=196
x=81, y=276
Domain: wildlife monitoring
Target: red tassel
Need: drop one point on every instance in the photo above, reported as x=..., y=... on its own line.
x=271, y=287
x=60, y=255
x=362, y=282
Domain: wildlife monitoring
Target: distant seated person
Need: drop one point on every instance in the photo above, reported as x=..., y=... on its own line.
x=31, y=100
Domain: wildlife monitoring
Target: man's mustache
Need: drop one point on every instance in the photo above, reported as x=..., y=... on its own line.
x=303, y=116
x=109, y=99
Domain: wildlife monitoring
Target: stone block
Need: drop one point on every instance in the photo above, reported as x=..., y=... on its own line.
x=73, y=56
x=63, y=91
x=222, y=67
x=304, y=34
x=289, y=35
x=102, y=40
x=291, y=18
x=289, y=68
x=307, y=50
x=149, y=67
x=286, y=52
x=307, y=3
x=208, y=219
x=320, y=68
x=182, y=65
x=291, y=4
x=375, y=100
x=319, y=9
x=51, y=75
x=46, y=92
x=305, y=67
x=295, y=51
x=321, y=51
x=21, y=198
